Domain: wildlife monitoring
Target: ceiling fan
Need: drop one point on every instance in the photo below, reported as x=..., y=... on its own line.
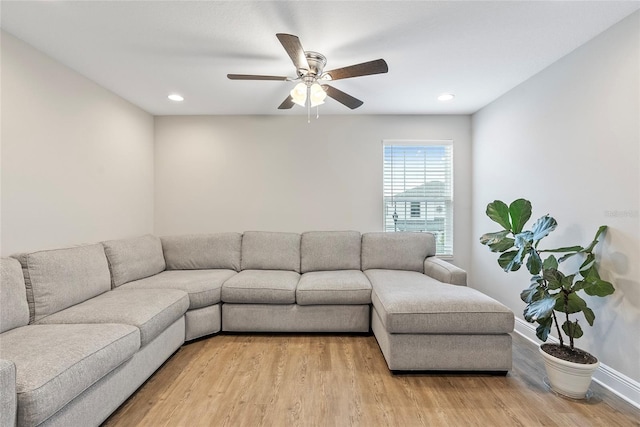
x=313, y=79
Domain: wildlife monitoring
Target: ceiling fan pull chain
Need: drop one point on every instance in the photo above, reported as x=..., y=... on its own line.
x=308, y=105
x=317, y=112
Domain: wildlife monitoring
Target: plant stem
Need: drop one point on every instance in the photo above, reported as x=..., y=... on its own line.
x=545, y=284
x=555, y=321
x=569, y=325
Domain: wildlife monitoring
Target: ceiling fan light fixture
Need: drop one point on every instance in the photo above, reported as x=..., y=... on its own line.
x=299, y=94
x=317, y=95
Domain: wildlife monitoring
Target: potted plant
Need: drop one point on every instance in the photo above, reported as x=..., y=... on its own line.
x=552, y=298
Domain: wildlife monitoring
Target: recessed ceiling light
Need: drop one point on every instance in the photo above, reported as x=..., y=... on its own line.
x=446, y=97
x=176, y=97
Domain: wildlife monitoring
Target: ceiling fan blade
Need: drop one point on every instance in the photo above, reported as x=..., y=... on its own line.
x=286, y=104
x=342, y=97
x=255, y=77
x=294, y=48
x=378, y=66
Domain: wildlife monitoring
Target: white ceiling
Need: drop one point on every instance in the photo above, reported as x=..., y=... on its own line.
x=145, y=50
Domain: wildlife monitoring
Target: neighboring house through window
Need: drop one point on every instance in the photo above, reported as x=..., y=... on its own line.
x=415, y=209
x=418, y=189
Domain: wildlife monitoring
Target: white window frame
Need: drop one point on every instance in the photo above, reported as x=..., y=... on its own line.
x=449, y=226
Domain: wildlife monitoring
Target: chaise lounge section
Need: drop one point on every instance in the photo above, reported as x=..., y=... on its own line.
x=431, y=321
x=82, y=328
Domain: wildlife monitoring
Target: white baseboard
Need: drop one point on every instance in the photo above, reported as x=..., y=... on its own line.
x=614, y=381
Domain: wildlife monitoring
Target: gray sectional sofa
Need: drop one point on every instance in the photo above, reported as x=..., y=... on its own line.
x=82, y=328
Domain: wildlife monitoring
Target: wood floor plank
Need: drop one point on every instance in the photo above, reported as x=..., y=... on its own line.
x=342, y=380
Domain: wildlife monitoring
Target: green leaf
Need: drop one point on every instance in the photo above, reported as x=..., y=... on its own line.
x=567, y=256
x=599, y=288
x=578, y=285
x=591, y=275
x=589, y=315
x=589, y=262
x=574, y=304
x=572, y=329
x=553, y=277
x=593, y=244
x=520, y=212
x=516, y=262
x=567, y=282
x=543, y=226
x=523, y=239
x=498, y=211
x=550, y=263
x=507, y=261
x=536, y=279
x=491, y=238
x=503, y=245
x=544, y=328
x=532, y=293
x=539, y=309
x=497, y=241
x=534, y=263
x=565, y=249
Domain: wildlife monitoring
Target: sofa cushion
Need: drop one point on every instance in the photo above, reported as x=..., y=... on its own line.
x=270, y=251
x=202, y=286
x=261, y=287
x=203, y=251
x=133, y=259
x=56, y=363
x=14, y=310
x=397, y=251
x=8, y=397
x=333, y=287
x=57, y=279
x=329, y=250
x=412, y=303
x=150, y=310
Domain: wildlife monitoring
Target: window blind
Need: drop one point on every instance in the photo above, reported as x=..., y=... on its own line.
x=418, y=189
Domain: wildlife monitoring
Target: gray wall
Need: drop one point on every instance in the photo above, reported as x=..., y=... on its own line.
x=77, y=160
x=568, y=139
x=216, y=173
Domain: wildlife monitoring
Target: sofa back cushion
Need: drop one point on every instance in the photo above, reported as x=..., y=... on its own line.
x=263, y=250
x=134, y=258
x=60, y=278
x=202, y=251
x=397, y=251
x=330, y=250
x=14, y=310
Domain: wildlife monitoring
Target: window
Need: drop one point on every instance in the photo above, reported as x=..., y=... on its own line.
x=418, y=189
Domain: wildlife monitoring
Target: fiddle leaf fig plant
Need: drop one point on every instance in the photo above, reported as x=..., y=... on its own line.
x=551, y=293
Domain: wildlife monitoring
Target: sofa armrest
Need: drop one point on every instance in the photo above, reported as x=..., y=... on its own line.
x=444, y=271
x=8, y=397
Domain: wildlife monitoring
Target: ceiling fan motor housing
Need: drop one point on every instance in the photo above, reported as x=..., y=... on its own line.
x=316, y=61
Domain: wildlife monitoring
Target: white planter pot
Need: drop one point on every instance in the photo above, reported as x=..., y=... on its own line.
x=568, y=378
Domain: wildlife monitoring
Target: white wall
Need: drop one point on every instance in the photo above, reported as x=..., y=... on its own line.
x=281, y=173
x=568, y=139
x=77, y=161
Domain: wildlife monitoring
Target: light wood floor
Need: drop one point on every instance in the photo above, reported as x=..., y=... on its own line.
x=323, y=380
